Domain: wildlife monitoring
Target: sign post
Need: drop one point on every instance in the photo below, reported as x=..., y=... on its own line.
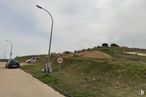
x=59, y=61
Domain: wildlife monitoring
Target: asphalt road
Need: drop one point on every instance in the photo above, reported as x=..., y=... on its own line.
x=17, y=83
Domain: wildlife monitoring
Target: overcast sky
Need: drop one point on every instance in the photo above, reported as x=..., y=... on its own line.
x=78, y=24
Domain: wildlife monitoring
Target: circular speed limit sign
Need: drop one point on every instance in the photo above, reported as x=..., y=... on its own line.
x=60, y=60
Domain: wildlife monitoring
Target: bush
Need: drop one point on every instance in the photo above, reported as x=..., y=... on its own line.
x=67, y=52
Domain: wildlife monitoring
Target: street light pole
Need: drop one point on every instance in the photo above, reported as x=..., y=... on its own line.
x=50, y=42
x=11, y=49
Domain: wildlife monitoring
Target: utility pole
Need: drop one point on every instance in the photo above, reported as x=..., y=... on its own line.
x=4, y=54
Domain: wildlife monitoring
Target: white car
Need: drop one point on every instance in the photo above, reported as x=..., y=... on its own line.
x=31, y=60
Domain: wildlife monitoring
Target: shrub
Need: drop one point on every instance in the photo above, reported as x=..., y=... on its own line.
x=114, y=45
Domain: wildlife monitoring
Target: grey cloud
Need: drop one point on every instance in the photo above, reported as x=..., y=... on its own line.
x=78, y=23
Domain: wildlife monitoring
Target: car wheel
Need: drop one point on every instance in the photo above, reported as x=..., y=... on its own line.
x=29, y=62
x=18, y=66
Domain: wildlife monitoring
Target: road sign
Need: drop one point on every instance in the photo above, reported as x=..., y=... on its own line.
x=60, y=60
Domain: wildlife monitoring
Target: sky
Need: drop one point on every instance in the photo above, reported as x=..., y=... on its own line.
x=78, y=24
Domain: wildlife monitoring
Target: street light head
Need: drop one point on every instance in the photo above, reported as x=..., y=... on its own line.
x=39, y=7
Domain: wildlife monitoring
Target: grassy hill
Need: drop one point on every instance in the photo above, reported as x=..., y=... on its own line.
x=124, y=75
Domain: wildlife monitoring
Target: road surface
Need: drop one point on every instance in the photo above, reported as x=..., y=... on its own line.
x=17, y=83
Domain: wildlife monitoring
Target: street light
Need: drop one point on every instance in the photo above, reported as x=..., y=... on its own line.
x=50, y=42
x=11, y=49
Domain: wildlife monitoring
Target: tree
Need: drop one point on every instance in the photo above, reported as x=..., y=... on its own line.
x=104, y=45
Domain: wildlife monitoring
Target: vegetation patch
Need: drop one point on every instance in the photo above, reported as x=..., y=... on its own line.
x=92, y=77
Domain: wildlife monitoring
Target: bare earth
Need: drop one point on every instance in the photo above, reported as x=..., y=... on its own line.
x=91, y=54
x=17, y=83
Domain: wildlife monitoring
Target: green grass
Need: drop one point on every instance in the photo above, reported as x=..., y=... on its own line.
x=123, y=76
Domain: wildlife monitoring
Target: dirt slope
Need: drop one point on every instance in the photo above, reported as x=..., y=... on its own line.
x=94, y=54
